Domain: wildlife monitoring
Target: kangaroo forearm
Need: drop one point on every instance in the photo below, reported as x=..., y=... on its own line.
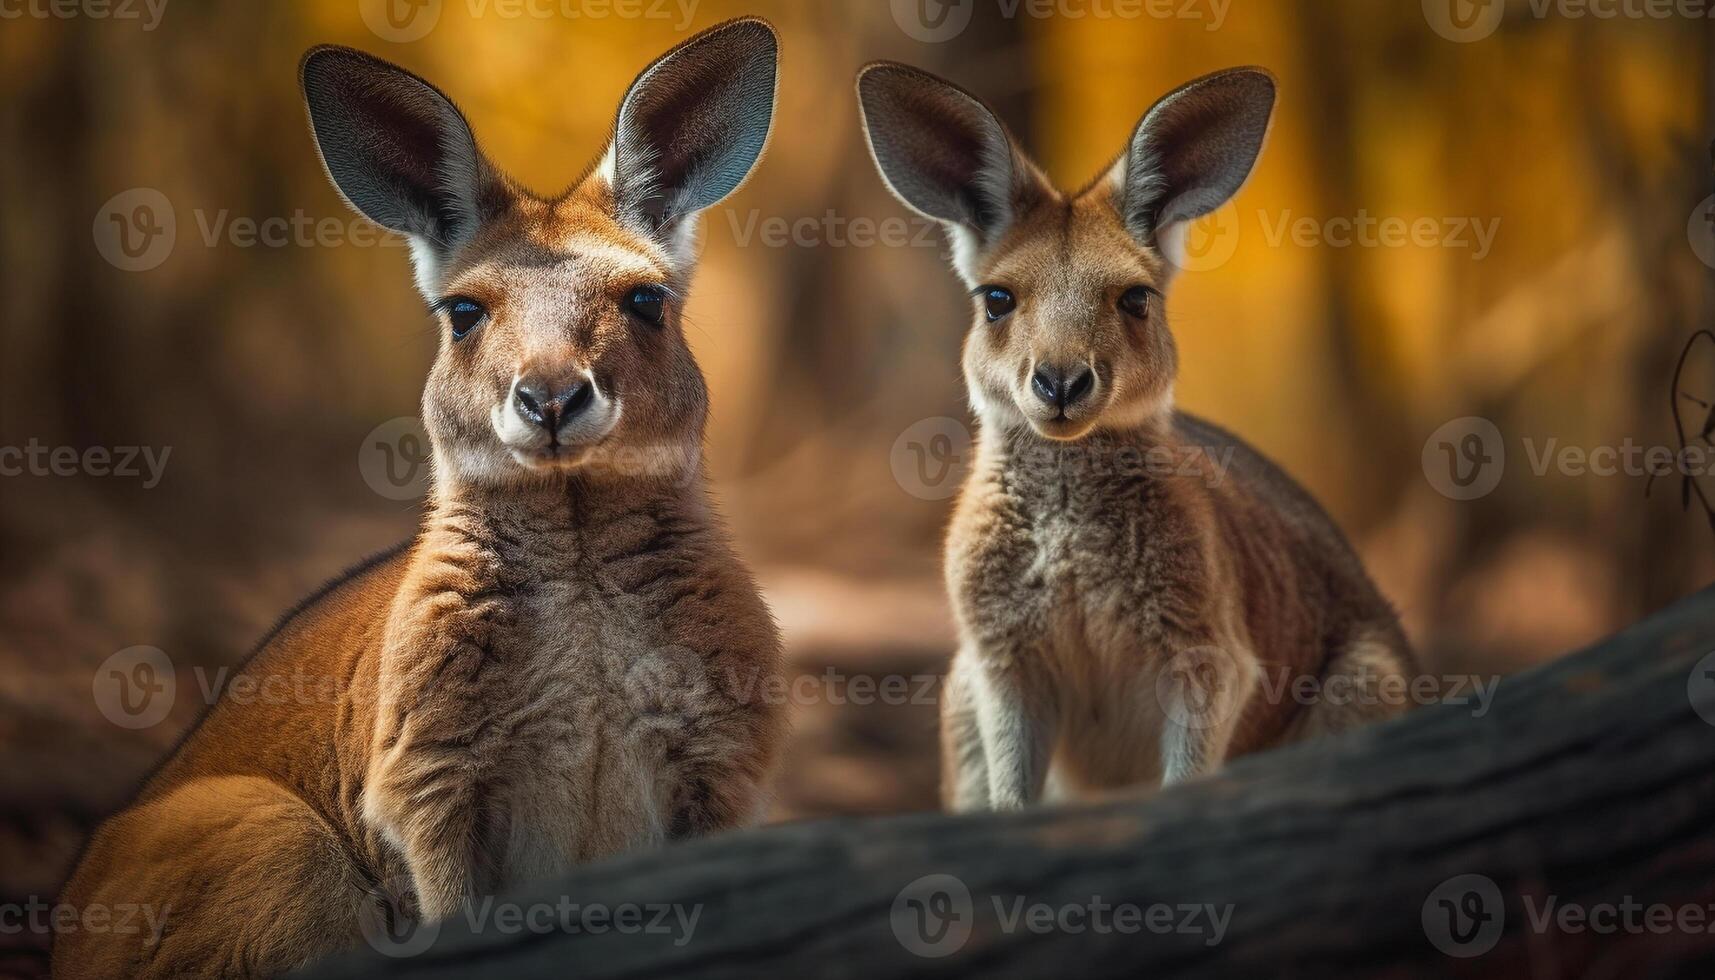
x=722, y=785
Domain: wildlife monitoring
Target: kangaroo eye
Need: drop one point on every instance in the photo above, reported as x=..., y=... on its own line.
x=1135, y=302
x=464, y=313
x=647, y=303
x=998, y=302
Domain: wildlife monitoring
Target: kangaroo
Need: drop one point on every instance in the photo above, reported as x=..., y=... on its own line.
x=1134, y=588
x=568, y=661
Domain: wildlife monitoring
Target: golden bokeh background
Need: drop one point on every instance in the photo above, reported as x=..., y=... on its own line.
x=1581, y=142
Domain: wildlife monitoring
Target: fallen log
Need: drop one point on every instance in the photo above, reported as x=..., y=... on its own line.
x=1566, y=830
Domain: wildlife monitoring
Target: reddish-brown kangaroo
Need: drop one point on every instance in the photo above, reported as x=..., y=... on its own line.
x=569, y=660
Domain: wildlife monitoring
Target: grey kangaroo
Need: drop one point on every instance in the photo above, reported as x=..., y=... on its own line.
x=1120, y=590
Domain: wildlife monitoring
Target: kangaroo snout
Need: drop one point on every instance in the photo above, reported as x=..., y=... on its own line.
x=1062, y=387
x=552, y=417
x=548, y=404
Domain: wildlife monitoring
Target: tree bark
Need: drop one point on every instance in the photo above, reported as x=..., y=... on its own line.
x=1588, y=783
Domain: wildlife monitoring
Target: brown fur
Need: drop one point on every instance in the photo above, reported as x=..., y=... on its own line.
x=568, y=662
x=1119, y=591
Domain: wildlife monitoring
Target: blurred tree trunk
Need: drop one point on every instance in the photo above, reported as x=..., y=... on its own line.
x=1656, y=551
x=1361, y=383
x=828, y=374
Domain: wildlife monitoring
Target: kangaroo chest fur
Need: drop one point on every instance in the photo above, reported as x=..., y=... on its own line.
x=558, y=666
x=1082, y=569
x=1075, y=549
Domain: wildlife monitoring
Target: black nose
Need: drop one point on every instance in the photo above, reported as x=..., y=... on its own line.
x=543, y=404
x=1059, y=388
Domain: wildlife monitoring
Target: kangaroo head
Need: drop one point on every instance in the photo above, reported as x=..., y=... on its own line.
x=562, y=342
x=1070, y=333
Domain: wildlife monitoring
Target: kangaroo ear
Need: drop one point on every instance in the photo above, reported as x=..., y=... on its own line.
x=397, y=149
x=693, y=124
x=1192, y=151
x=943, y=152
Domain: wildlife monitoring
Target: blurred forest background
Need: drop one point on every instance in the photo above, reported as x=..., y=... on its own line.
x=1582, y=142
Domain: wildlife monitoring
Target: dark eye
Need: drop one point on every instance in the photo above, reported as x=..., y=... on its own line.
x=998, y=302
x=1135, y=302
x=464, y=314
x=647, y=303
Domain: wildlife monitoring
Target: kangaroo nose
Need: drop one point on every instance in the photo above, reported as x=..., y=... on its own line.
x=1059, y=388
x=540, y=403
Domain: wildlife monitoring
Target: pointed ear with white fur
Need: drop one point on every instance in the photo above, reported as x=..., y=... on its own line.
x=398, y=151
x=691, y=127
x=1192, y=152
x=945, y=155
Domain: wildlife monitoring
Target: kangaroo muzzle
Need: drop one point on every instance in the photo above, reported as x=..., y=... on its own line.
x=549, y=418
